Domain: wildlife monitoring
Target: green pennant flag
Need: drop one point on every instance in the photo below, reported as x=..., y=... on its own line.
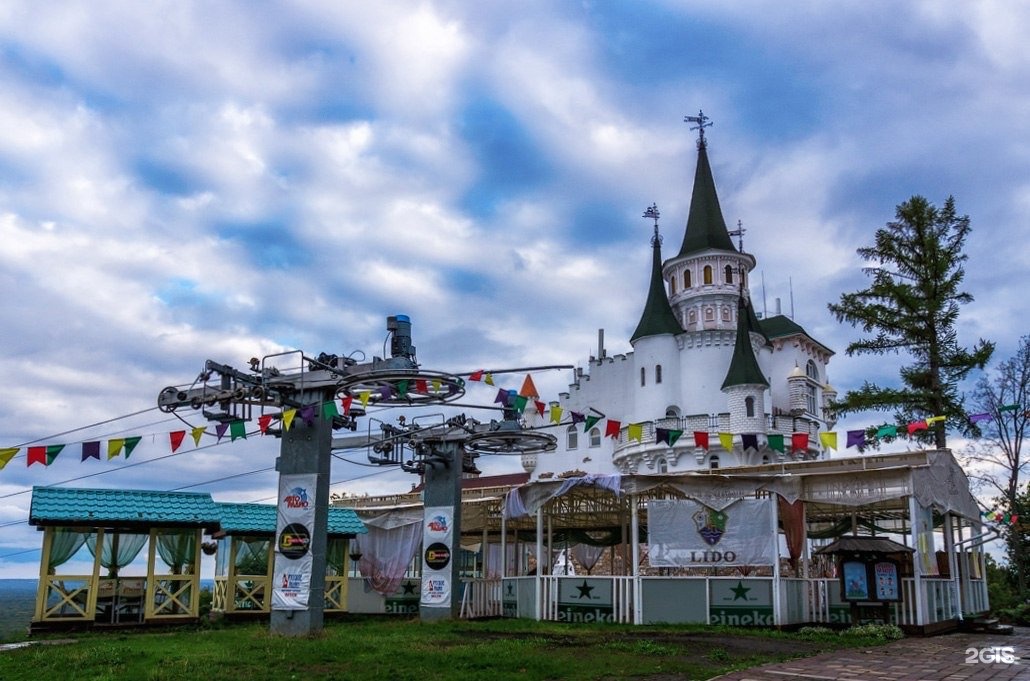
x=674, y=435
x=590, y=422
x=520, y=403
x=887, y=431
x=130, y=444
x=1008, y=407
x=776, y=443
x=51, y=453
x=329, y=409
x=239, y=429
x=402, y=387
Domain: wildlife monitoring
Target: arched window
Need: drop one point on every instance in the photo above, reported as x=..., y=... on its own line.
x=707, y=275
x=595, y=437
x=749, y=407
x=672, y=412
x=643, y=377
x=572, y=438
x=812, y=371
x=729, y=274
x=661, y=465
x=765, y=459
x=686, y=279
x=672, y=286
x=658, y=373
x=713, y=461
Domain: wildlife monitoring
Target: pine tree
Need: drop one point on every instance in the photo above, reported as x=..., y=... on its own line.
x=911, y=306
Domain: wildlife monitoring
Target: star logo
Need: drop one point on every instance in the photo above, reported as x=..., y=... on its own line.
x=740, y=591
x=511, y=589
x=584, y=590
x=409, y=588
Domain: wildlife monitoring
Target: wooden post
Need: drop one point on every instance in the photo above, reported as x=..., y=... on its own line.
x=43, y=588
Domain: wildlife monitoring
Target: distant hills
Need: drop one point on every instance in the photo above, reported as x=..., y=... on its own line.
x=17, y=602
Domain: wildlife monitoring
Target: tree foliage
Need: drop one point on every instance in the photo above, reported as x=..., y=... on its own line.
x=911, y=306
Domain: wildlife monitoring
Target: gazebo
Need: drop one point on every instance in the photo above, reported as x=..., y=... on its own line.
x=114, y=526
x=245, y=558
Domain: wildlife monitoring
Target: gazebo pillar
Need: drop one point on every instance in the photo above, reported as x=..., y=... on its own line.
x=917, y=569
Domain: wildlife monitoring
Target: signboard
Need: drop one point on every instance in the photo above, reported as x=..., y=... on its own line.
x=856, y=580
x=437, y=533
x=585, y=600
x=741, y=602
x=870, y=579
x=404, y=601
x=685, y=533
x=885, y=575
x=295, y=519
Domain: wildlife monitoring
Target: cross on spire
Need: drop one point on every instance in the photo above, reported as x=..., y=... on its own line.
x=739, y=233
x=702, y=123
x=652, y=212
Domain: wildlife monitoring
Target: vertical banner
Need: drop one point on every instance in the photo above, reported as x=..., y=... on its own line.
x=924, y=541
x=438, y=540
x=295, y=520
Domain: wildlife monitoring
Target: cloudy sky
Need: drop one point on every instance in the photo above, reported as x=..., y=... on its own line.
x=182, y=181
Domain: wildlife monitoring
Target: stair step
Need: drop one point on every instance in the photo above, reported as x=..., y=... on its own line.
x=1003, y=629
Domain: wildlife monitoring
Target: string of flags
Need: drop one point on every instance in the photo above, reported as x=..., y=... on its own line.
x=518, y=400
x=1000, y=517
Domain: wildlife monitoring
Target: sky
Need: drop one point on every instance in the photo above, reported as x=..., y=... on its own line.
x=183, y=181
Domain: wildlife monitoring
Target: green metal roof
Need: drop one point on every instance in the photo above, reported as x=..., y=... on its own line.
x=744, y=369
x=706, y=227
x=97, y=507
x=261, y=519
x=781, y=326
x=658, y=317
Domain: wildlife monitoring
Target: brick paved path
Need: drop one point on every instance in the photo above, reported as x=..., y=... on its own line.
x=934, y=658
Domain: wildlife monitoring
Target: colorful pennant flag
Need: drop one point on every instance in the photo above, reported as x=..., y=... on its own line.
x=36, y=455
x=363, y=397
x=667, y=435
x=935, y=419
x=220, y=430
x=1008, y=407
x=91, y=450
x=197, y=433
x=402, y=387
x=856, y=438
x=329, y=409
x=976, y=418
x=701, y=439
x=175, y=438
x=288, y=417
x=6, y=454
x=502, y=397
x=556, y=413
x=307, y=413
x=114, y=447
x=476, y=375
x=726, y=440
x=488, y=379
x=130, y=444
x=775, y=441
x=238, y=429
x=420, y=386
x=529, y=388
x=540, y=407
x=347, y=400
x=520, y=402
x=799, y=441
x=749, y=441
x=612, y=428
x=264, y=421
x=590, y=422
x=828, y=440
x=635, y=431
x=577, y=417
x=887, y=431
x=385, y=393
x=916, y=426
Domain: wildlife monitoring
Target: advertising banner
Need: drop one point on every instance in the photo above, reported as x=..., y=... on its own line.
x=295, y=520
x=438, y=540
x=685, y=533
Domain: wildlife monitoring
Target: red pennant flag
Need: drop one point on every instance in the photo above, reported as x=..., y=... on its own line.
x=916, y=425
x=346, y=402
x=264, y=421
x=798, y=441
x=612, y=428
x=420, y=386
x=476, y=375
x=36, y=455
x=701, y=439
x=176, y=438
x=540, y=407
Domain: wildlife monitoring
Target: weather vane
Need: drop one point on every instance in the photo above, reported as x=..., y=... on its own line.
x=702, y=123
x=652, y=212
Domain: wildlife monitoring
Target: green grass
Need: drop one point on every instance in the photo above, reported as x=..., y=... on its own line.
x=406, y=649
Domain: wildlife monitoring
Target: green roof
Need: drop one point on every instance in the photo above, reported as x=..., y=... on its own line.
x=744, y=369
x=706, y=227
x=94, y=507
x=658, y=317
x=261, y=519
x=781, y=326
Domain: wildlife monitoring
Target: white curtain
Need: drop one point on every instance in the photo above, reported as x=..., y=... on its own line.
x=388, y=548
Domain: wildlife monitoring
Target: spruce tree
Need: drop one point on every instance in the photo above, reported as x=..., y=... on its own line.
x=911, y=307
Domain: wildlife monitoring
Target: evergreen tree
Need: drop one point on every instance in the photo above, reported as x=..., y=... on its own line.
x=911, y=306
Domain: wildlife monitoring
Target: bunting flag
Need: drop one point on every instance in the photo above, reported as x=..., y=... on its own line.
x=175, y=438
x=437, y=384
x=90, y=450
x=935, y=419
x=346, y=401
x=288, y=417
x=238, y=429
x=590, y=421
x=1000, y=517
x=502, y=397
x=488, y=379
x=828, y=440
x=612, y=429
x=701, y=439
x=635, y=431
x=114, y=448
x=577, y=417
x=1008, y=407
x=799, y=441
x=420, y=386
x=130, y=444
x=220, y=430
x=749, y=441
x=887, y=431
x=402, y=387
x=329, y=409
x=197, y=433
x=667, y=435
x=726, y=440
x=520, y=402
x=385, y=393
x=36, y=455
x=976, y=418
x=556, y=413
x=6, y=454
x=307, y=414
x=775, y=441
x=540, y=407
x=264, y=421
x=916, y=426
x=476, y=375
x=528, y=388
x=856, y=438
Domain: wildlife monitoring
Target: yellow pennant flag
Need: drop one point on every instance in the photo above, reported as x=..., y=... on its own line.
x=934, y=419
x=726, y=440
x=288, y=418
x=489, y=380
x=197, y=433
x=437, y=384
x=363, y=396
x=555, y=413
x=635, y=431
x=828, y=440
x=6, y=455
x=114, y=447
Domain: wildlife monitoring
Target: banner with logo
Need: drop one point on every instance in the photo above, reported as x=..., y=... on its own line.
x=438, y=540
x=685, y=533
x=295, y=521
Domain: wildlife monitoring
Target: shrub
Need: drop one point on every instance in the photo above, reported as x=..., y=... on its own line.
x=881, y=632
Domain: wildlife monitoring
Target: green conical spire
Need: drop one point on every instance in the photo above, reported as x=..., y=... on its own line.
x=744, y=369
x=658, y=317
x=706, y=227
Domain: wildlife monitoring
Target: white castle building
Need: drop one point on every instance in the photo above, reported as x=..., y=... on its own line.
x=702, y=362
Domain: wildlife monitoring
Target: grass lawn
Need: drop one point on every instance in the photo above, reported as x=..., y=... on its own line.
x=407, y=649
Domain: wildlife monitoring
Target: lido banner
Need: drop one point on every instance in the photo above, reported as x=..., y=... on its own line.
x=685, y=533
x=295, y=522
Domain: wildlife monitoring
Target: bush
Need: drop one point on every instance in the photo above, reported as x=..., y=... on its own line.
x=810, y=633
x=1019, y=614
x=881, y=632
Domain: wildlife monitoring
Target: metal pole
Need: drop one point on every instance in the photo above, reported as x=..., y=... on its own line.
x=634, y=523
